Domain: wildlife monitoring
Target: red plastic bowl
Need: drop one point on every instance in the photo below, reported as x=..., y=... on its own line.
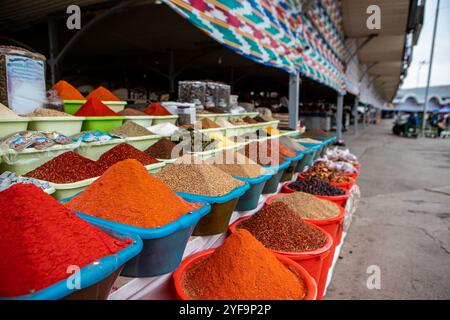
x=311, y=288
x=342, y=185
x=312, y=261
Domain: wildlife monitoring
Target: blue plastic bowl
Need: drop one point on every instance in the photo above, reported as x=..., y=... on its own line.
x=314, y=146
x=222, y=208
x=97, y=278
x=163, y=247
x=291, y=169
x=250, y=199
x=307, y=158
x=271, y=185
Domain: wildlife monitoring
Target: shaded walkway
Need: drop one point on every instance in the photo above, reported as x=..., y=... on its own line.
x=402, y=224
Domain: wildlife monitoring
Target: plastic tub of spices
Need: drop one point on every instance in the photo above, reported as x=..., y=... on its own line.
x=307, y=160
x=290, y=170
x=339, y=200
x=144, y=121
x=143, y=142
x=189, y=262
x=164, y=119
x=93, y=150
x=163, y=247
x=155, y=167
x=65, y=190
x=312, y=261
x=103, y=123
x=342, y=185
x=96, y=278
x=222, y=207
x=249, y=200
x=21, y=162
x=65, y=125
x=12, y=125
x=271, y=185
x=333, y=227
x=316, y=147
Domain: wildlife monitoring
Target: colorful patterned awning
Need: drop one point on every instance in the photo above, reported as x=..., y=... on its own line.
x=275, y=33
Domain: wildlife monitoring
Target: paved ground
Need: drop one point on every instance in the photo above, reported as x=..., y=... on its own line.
x=402, y=224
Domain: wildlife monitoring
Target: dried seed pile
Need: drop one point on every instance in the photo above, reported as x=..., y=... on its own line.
x=316, y=133
x=131, y=129
x=280, y=228
x=249, y=120
x=309, y=206
x=163, y=149
x=321, y=171
x=208, y=124
x=132, y=112
x=191, y=175
x=6, y=112
x=317, y=187
x=44, y=112
x=237, y=165
x=308, y=140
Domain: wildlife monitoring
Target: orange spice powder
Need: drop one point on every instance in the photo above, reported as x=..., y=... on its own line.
x=242, y=269
x=128, y=194
x=66, y=91
x=103, y=94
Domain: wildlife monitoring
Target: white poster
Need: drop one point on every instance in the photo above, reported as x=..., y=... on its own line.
x=26, y=83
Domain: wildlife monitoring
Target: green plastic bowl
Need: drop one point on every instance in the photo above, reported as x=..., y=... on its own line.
x=164, y=119
x=210, y=116
x=145, y=121
x=66, y=190
x=143, y=142
x=65, y=125
x=104, y=124
x=72, y=106
x=155, y=167
x=29, y=159
x=12, y=125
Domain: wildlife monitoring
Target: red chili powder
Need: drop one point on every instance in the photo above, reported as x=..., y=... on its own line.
x=124, y=151
x=155, y=109
x=102, y=94
x=93, y=107
x=66, y=91
x=66, y=168
x=279, y=228
x=40, y=239
x=285, y=151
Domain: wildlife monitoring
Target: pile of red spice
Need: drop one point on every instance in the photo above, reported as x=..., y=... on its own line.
x=67, y=168
x=163, y=149
x=155, y=109
x=102, y=94
x=41, y=238
x=66, y=91
x=128, y=194
x=279, y=228
x=93, y=107
x=122, y=152
x=242, y=269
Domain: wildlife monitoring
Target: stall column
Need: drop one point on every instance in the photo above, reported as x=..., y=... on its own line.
x=355, y=115
x=294, y=89
x=339, y=112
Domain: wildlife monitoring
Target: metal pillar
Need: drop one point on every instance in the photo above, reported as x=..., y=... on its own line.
x=53, y=43
x=339, y=112
x=355, y=115
x=364, y=118
x=294, y=99
x=424, y=116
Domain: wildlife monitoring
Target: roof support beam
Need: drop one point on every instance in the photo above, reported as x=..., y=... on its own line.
x=362, y=45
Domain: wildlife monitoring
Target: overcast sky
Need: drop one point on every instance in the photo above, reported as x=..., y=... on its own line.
x=417, y=74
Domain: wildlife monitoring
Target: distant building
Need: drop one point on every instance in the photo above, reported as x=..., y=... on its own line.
x=413, y=99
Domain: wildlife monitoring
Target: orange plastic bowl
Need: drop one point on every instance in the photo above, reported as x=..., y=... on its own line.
x=340, y=200
x=342, y=185
x=178, y=275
